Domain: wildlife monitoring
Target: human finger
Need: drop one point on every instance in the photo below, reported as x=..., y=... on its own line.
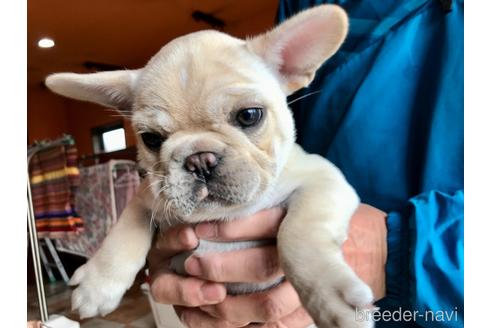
x=267, y=306
x=261, y=225
x=169, y=288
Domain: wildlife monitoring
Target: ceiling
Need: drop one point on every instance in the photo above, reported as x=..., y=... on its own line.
x=126, y=33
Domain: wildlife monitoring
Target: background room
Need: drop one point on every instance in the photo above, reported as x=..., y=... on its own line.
x=95, y=147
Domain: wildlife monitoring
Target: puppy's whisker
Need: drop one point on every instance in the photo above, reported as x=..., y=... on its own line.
x=116, y=113
x=152, y=170
x=152, y=223
x=152, y=184
x=171, y=213
x=165, y=213
x=155, y=210
x=168, y=210
x=157, y=174
x=148, y=173
x=303, y=96
x=120, y=116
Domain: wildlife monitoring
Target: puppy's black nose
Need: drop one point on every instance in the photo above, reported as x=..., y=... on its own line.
x=202, y=164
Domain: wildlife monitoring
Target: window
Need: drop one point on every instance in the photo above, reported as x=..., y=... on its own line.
x=114, y=140
x=108, y=138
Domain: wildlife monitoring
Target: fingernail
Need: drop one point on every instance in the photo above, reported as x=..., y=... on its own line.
x=193, y=266
x=212, y=293
x=206, y=230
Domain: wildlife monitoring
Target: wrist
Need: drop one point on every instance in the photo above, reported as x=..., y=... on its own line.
x=365, y=249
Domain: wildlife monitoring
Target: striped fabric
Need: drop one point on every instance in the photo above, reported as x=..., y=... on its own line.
x=54, y=176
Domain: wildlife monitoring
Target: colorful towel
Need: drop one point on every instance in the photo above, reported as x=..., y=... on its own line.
x=54, y=177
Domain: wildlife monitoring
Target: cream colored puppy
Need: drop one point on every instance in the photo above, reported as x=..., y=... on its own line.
x=217, y=140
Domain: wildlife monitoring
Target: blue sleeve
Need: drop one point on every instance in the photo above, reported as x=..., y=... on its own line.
x=390, y=117
x=425, y=267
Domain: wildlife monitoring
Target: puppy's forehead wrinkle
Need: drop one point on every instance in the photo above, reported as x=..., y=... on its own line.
x=153, y=118
x=154, y=100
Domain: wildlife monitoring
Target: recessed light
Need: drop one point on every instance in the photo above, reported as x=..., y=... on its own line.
x=46, y=43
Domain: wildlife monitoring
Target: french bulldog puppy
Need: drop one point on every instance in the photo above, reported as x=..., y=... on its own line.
x=217, y=140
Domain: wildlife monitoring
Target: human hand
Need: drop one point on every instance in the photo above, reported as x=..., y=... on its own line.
x=365, y=249
x=279, y=306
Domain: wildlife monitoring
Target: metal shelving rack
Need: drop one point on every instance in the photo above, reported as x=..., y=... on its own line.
x=31, y=222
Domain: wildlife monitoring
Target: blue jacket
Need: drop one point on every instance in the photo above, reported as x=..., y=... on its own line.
x=389, y=114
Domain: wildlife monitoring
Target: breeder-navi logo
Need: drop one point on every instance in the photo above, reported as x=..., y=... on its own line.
x=406, y=315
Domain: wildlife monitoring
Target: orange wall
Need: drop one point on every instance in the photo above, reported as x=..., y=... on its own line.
x=82, y=117
x=49, y=116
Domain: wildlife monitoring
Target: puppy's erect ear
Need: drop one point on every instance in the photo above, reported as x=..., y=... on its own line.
x=112, y=89
x=296, y=48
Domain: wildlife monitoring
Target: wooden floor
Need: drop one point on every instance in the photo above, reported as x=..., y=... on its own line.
x=133, y=312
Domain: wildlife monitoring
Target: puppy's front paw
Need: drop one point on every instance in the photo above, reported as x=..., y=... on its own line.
x=340, y=300
x=98, y=292
x=347, y=305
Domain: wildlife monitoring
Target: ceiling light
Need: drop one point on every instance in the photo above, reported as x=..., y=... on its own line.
x=46, y=43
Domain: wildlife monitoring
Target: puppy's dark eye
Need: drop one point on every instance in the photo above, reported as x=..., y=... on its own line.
x=249, y=116
x=153, y=141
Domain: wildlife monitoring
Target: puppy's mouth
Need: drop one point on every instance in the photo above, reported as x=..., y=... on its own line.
x=197, y=189
x=205, y=192
x=208, y=185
